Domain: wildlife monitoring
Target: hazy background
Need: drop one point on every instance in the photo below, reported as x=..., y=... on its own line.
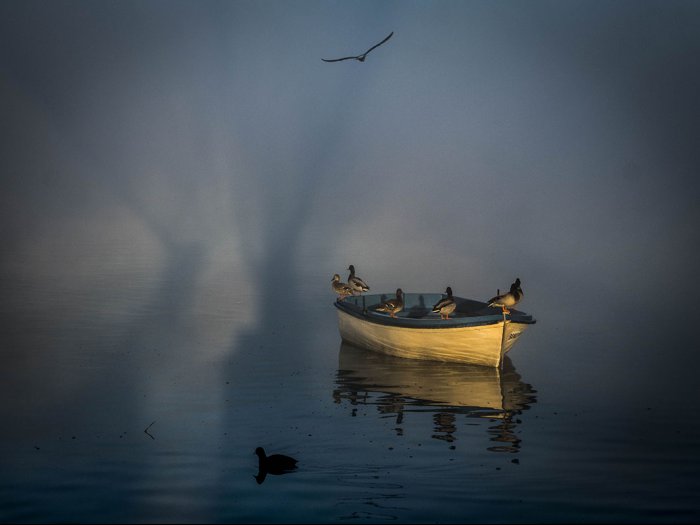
x=172, y=172
x=553, y=141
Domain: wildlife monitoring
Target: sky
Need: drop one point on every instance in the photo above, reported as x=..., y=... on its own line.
x=553, y=141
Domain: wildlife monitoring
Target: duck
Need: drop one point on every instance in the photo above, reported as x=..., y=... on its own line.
x=354, y=282
x=509, y=299
x=446, y=305
x=274, y=464
x=392, y=306
x=342, y=289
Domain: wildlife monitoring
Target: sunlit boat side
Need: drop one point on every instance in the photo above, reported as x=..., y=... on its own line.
x=475, y=332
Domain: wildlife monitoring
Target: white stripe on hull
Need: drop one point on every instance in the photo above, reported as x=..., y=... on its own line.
x=480, y=345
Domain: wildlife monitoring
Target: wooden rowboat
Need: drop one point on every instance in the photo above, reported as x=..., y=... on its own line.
x=475, y=333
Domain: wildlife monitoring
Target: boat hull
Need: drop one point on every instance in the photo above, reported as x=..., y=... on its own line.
x=481, y=344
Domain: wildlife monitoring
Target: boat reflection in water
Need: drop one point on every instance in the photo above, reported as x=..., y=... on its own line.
x=449, y=390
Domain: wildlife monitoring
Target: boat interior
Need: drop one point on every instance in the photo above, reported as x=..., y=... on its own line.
x=420, y=305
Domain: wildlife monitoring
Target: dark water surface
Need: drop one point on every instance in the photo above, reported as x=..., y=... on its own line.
x=212, y=370
x=181, y=179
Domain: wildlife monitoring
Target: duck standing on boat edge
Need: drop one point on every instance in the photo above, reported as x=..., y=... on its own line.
x=509, y=299
x=392, y=306
x=342, y=289
x=446, y=305
x=354, y=282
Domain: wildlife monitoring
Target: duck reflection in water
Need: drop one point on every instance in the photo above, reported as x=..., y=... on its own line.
x=275, y=464
x=398, y=386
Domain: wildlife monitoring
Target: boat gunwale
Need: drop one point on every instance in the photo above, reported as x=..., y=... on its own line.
x=432, y=323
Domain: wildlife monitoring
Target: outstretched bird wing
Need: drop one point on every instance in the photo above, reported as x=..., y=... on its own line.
x=380, y=43
x=337, y=59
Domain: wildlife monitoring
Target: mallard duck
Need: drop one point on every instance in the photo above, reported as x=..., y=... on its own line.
x=446, y=305
x=354, y=282
x=342, y=289
x=392, y=306
x=511, y=298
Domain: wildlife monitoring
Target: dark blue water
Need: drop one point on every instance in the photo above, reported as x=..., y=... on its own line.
x=140, y=396
x=180, y=180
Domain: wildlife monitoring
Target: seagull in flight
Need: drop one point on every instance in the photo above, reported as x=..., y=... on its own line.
x=361, y=57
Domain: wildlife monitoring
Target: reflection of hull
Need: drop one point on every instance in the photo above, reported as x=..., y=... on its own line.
x=400, y=386
x=474, y=335
x=434, y=384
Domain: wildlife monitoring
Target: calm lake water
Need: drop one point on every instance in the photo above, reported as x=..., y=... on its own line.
x=180, y=180
x=140, y=396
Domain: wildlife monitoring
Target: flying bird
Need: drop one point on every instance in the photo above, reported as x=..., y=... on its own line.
x=511, y=298
x=361, y=57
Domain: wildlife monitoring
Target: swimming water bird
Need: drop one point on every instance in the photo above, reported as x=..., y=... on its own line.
x=361, y=57
x=392, y=306
x=354, y=282
x=509, y=299
x=342, y=289
x=274, y=464
x=446, y=305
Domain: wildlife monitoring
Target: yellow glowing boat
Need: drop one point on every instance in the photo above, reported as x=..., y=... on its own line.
x=475, y=333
